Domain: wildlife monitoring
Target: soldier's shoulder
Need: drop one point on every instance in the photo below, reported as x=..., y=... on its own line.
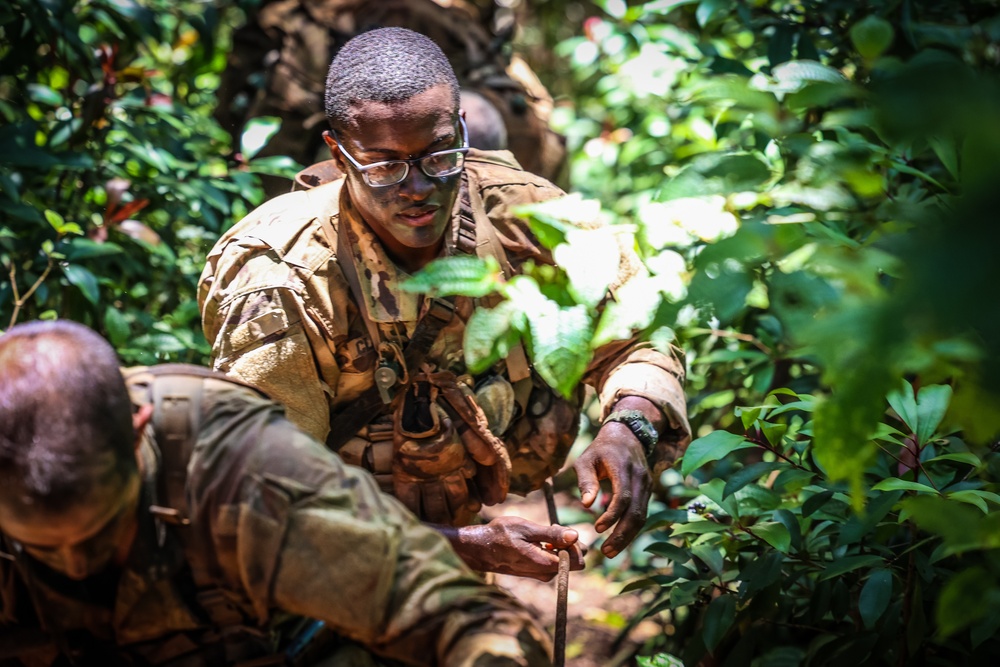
x=291, y=234
x=279, y=220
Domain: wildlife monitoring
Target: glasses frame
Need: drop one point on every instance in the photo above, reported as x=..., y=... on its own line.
x=363, y=169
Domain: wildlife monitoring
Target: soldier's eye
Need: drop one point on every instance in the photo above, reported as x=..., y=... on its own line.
x=442, y=164
x=390, y=172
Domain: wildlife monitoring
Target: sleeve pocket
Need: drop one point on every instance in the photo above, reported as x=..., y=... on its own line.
x=264, y=325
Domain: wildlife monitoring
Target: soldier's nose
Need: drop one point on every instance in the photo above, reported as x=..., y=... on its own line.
x=417, y=185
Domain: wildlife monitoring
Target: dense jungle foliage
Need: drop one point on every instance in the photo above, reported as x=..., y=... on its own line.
x=811, y=186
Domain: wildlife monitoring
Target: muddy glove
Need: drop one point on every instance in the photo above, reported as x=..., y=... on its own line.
x=492, y=474
x=430, y=467
x=446, y=461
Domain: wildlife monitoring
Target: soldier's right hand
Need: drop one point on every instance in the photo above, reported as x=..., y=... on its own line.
x=512, y=545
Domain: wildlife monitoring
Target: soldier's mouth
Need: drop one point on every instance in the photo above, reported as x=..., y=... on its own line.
x=418, y=217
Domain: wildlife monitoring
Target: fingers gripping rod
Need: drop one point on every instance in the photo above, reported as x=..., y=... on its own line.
x=562, y=583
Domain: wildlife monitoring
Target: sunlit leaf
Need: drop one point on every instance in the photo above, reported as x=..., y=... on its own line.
x=774, y=533
x=460, y=275
x=895, y=484
x=591, y=260
x=256, y=133
x=489, y=335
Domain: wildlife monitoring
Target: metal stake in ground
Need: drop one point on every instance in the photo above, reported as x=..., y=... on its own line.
x=562, y=583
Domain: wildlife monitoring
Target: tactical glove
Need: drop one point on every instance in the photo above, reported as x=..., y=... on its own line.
x=446, y=462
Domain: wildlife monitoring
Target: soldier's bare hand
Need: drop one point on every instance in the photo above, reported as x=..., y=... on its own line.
x=512, y=545
x=616, y=455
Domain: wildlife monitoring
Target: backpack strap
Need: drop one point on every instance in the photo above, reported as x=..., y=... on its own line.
x=177, y=393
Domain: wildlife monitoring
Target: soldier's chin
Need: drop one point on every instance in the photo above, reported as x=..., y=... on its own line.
x=92, y=569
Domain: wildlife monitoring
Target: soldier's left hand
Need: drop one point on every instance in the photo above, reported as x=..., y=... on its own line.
x=616, y=455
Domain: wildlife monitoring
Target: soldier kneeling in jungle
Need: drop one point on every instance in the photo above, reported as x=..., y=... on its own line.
x=171, y=516
x=303, y=298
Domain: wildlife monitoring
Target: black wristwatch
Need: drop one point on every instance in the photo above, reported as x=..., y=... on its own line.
x=639, y=424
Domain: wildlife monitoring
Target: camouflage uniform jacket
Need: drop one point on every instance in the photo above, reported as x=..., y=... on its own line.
x=287, y=531
x=280, y=315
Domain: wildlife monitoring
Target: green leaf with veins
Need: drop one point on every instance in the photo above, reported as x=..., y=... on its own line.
x=462, y=276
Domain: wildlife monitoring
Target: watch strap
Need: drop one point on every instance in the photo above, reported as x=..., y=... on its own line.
x=639, y=424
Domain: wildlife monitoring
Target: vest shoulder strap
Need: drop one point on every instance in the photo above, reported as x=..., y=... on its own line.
x=178, y=402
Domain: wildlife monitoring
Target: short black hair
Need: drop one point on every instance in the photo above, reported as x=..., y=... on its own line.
x=65, y=414
x=384, y=65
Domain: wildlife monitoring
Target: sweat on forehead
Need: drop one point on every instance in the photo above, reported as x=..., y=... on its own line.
x=386, y=65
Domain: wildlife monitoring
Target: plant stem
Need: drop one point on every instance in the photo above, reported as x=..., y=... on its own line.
x=722, y=333
x=19, y=300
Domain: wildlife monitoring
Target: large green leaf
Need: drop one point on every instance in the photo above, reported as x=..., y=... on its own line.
x=560, y=344
x=711, y=447
x=968, y=596
x=718, y=619
x=750, y=473
x=847, y=564
x=904, y=403
x=875, y=596
x=710, y=554
x=761, y=573
x=715, y=174
x=463, y=276
x=896, y=484
x=84, y=280
x=668, y=550
x=774, y=533
x=962, y=527
x=871, y=36
x=932, y=403
x=490, y=334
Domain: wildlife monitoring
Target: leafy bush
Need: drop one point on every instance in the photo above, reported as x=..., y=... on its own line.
x=815, y=211
x=114, y=178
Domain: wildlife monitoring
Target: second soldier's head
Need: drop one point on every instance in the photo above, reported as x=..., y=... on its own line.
x=69, y=480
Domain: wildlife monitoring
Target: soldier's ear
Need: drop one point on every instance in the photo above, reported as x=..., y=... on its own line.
x=140, y=418
x=334, y=150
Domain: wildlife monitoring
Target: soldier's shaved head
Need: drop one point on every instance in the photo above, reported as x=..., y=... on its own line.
x=65, y=415
x=384, y=65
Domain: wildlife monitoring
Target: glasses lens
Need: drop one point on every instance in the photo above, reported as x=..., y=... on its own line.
x=389, y=173
x=442, y=164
